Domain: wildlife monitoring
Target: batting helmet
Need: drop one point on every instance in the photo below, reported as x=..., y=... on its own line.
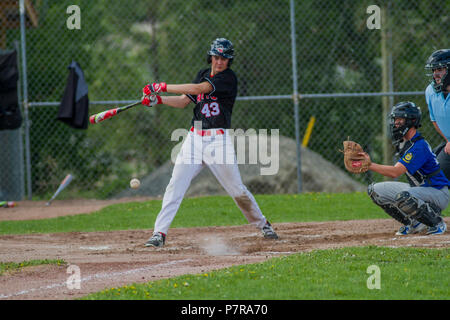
x=439, y=59
x=412, y=115
x=221, y=47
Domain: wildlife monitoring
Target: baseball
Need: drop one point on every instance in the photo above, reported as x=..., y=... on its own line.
x=135, y=183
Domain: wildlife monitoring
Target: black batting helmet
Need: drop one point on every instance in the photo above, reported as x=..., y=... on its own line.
x=410, y=112
x=221, y=47
x=439, y=59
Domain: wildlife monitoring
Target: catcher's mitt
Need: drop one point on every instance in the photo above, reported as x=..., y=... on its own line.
x=354, y=161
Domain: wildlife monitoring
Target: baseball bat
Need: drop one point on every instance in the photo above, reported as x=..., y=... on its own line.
x=99, y=117
x=61, y=187
x=7, y=204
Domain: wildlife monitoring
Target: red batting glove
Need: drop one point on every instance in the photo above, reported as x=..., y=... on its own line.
x=151, y=100
x=155, y=88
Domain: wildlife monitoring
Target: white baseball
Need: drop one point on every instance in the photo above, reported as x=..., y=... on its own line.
x=135, y=183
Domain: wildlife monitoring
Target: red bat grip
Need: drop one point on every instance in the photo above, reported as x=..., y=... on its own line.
x=96, y=118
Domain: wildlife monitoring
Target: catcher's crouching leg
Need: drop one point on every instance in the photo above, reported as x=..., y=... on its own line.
x=427, y=213
x=390, y=209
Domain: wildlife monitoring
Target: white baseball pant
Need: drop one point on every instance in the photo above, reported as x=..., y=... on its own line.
x=213, y=148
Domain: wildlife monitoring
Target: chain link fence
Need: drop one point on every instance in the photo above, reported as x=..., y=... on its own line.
x=352, y=63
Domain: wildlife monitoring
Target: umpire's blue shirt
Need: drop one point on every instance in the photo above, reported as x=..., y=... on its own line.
x=420, y=157
x=439, y=108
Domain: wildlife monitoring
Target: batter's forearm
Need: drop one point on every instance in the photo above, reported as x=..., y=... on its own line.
x=204, y=87
x=190, y=88
x=175, y=101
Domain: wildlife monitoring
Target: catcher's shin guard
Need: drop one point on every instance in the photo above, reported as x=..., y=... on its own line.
x=407, y=203
x=387, y=207
x=427, y=213
x=396, y=214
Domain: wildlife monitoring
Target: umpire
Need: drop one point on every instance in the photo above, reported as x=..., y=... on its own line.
x=438, y=102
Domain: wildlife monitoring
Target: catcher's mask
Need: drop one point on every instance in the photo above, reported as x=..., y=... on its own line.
x=221, y=47
x=439, y=59
x=412, y=115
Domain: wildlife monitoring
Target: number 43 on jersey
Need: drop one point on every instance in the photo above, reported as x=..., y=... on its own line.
x=211, y=109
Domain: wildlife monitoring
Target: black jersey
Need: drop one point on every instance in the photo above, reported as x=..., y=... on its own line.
x=214, y=109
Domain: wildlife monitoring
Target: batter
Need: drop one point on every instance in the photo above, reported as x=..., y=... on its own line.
x=214, y=92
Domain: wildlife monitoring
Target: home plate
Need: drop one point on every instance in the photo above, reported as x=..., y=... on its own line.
x=97, y=248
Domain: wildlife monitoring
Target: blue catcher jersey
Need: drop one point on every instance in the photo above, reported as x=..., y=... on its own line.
x=422, y=166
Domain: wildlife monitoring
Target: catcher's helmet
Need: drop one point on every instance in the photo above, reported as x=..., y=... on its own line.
x=439, y=59
x=221, y=47
x=412, y=115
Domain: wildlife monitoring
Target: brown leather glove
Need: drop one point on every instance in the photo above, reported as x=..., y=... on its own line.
x=354, y=159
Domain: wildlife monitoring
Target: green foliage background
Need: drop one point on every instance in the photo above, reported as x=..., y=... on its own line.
x=124, y=45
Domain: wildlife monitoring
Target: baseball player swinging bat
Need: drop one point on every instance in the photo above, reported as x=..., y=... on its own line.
x=99, y=117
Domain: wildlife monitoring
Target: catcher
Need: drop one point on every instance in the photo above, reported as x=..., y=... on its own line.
x=417, y=205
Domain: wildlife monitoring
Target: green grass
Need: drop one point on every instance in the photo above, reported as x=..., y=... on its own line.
x=13, y=266
x=208, y=211
x=405, y=273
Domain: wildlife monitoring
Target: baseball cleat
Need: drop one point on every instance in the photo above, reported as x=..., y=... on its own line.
x=440, y=228
x=412, y=228
x=268, y=231
x=157, y=240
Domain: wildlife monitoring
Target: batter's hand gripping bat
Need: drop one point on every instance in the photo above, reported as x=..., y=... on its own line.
x=61, y=187
x=99, y=117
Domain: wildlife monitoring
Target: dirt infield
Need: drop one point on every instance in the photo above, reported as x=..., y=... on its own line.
x=118, y=258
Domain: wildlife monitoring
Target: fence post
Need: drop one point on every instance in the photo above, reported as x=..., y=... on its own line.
x=387, y=83
x=295, y=98
x=25, y=97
